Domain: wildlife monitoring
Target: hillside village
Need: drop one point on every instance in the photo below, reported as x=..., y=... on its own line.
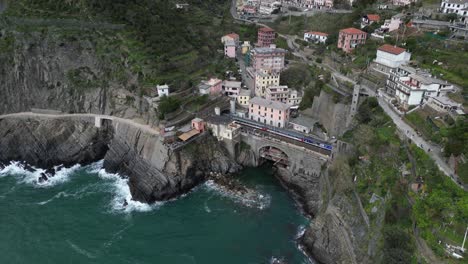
x=388, y=77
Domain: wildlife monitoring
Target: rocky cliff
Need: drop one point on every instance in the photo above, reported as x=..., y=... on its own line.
x=64, y=65
x=339, y=232
x=331, y=114
x=155, y=172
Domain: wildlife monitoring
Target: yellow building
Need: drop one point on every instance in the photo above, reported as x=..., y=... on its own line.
x=244, y=98
x=265, y=79
x=245, y=47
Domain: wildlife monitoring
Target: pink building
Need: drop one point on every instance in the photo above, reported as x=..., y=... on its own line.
x=349, y=38
x=211, y=87
x=230, y=49
x=266, y=37
x=270, y=59
x=198, y=124
x=268, y=112
x=278, y=93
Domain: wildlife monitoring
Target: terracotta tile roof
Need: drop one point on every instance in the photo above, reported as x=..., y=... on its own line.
x=318, y=33
x=391, y=49
x=265, y=29
x=232, y=35
x=352, y=31
x=373, y=17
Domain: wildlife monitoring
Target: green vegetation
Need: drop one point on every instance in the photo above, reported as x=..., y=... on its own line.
x=445, y=59
x=162, y=43
x=439, y=210
x=422, y=122
x=196, y=102
x=457, y=138
x=324, y=22
x=167, y=105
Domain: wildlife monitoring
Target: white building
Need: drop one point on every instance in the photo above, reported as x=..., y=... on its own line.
x=390, y=57
x=410, y=86
x=443, y=104
x=163, y=90
x=279, y=93
x=303, y=124
x=231, y=88
x=295, y=97
x=316, y=36
x=454, y=7
x=222, y=128
x=392, y=24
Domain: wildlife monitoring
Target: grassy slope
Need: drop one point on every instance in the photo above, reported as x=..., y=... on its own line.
x=440, y=211
x=166, y=44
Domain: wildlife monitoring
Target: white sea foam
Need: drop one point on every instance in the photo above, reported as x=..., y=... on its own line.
x=30, y=175
x=80, y=250
x=122, y=194
x=252, y=199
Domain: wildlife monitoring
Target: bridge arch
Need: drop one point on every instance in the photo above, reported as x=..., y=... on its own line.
x=274, y=154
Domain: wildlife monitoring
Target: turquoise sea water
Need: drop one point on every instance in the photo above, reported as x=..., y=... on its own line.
x=79, y=217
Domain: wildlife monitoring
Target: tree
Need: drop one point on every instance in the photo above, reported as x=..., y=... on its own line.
x=167, y=105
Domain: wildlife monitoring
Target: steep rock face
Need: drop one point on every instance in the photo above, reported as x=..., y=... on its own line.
x=331, y=115
x=155, y=172
x=158, y=173
x=339, y=233
x=52, y=69
x=46, y=143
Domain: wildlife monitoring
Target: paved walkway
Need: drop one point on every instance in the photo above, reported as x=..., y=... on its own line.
x=142, y=127
x=434, y=151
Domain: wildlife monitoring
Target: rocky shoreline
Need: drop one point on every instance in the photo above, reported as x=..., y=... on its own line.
x=157, y=173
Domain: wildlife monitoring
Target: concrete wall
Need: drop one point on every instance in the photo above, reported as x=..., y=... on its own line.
x=331, y=115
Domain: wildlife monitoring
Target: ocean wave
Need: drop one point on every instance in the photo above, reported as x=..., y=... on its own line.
x=122, y=200
x=252, y=199
x=30, y=175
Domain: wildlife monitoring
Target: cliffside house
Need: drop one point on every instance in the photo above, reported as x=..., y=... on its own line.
x=459, y=7
x=231, y=88
x=392, y=24
x=265, y=37
x=230, y=49
x=369, y=19
x=278, y=93
x=244, y=97
x=410, y=86
x=222, y=128
x=162, y=90
x=230, y=37
x=390, y=57
x=268, y=58
x=198, y=124
x=349, y=38
x=269, y=112
x=443, y=104
x=316, y=37
x=210, y=87
x=303, y=124
x=264, y=79
x=295, y=97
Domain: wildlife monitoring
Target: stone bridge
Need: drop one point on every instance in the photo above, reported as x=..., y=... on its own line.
x=295, y=158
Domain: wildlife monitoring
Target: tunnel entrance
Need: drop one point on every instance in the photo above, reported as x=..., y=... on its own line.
x=276, y=155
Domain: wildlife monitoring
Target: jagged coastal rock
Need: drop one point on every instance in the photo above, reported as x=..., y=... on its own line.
x=155, y=172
